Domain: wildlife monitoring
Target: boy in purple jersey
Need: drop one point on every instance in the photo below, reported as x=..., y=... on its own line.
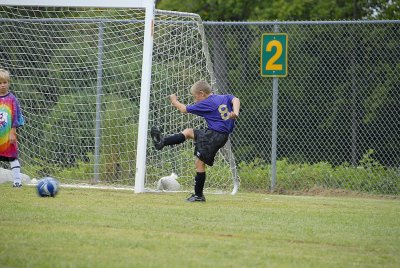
x=10, y=119
x=220, y=112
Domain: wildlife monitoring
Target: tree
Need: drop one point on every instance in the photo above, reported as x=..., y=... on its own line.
x=264, y=10
x=383, y=9
x=218, y=10
x=308, y=10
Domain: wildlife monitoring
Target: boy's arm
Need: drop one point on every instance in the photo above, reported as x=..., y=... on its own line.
x=236, y=108
x=180, y=106
x=13, y=135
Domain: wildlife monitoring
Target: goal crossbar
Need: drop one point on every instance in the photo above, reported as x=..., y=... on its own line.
x=80, y=3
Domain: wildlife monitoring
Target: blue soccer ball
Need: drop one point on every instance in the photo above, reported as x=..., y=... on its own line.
x=47, y=187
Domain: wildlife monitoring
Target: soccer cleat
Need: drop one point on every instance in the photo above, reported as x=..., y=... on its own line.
x=17, y=185
x=157, y=138
x=195, y=198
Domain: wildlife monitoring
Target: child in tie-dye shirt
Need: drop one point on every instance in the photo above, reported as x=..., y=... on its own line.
x=10, y=119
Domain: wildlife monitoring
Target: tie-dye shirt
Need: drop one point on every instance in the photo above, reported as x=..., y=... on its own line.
x=10, y=117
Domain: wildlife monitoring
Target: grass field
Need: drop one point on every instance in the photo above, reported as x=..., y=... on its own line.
x=109, y=228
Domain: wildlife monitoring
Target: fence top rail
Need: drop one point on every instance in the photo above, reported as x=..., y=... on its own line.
x=301, y=22
x=195, y=16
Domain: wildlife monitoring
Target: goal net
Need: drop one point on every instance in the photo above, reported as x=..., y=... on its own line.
x=77, y=73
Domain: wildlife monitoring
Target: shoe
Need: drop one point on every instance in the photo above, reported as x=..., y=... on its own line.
x=195, y=198
x=157, y=137
x=17, y=185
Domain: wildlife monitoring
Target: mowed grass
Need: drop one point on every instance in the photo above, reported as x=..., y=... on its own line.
x=109, y=228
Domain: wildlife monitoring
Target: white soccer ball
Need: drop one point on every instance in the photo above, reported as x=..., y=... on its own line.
x=47, y=187
x=168, y=183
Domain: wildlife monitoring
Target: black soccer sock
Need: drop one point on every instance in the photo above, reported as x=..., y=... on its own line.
x=174, y=139
x=199, y=181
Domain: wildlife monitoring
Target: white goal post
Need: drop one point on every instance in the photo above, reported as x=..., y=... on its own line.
x=87, y=54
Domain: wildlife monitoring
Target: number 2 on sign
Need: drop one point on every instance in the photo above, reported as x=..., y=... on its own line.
x=271, y=63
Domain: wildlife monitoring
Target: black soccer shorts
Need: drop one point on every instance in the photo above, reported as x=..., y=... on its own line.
x=207, y=143
x=7, y=159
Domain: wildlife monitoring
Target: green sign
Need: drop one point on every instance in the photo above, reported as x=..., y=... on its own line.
x=274, y=55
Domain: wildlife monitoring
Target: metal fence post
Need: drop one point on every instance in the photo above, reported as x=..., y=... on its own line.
x=275, y=83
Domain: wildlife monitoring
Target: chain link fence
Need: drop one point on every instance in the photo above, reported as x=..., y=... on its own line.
x=339, y=106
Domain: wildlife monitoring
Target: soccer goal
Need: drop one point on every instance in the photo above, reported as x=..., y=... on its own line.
x=92, y=77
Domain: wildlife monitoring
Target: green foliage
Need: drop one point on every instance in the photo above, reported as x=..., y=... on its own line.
x=218, y=176
x=74, y=66
x=369, y=176
x=262, y=10
x=118, y=139
x=80, y=172
x=383, y=9
x=69, y=125
x=213, y=9
x=254, y=175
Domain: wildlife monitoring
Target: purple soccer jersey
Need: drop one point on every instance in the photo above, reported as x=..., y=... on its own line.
x=215, y=109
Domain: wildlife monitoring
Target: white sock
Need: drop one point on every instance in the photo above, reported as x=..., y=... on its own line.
x=16, y=170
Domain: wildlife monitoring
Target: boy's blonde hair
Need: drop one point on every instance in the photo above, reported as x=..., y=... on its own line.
x=4, y=75
x=201, y=86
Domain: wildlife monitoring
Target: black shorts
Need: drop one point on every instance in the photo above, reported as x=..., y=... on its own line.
x=207, y=143
x=6, y=159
